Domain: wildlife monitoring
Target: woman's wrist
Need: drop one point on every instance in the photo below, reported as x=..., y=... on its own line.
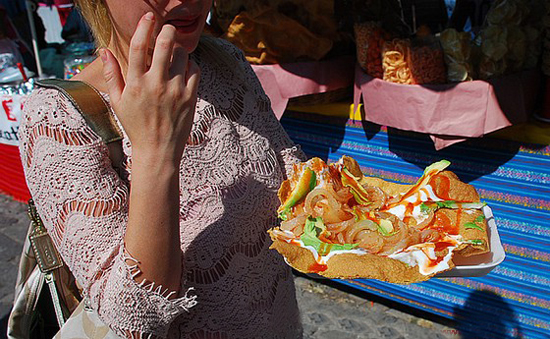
x=155, y=160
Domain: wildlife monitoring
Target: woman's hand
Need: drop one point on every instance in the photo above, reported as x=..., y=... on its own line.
x=155, y=104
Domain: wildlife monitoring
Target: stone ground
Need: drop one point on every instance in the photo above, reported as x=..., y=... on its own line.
x=329, y=310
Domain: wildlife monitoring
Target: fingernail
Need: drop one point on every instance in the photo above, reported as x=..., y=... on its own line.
x=103, y=55
x=149, y=16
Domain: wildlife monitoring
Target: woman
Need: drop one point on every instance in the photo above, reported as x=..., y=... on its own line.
x=204, y=156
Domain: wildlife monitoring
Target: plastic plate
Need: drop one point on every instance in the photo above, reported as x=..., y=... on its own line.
x=479, y=265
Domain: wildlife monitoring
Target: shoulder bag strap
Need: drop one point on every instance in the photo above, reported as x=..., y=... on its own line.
x=95, y=110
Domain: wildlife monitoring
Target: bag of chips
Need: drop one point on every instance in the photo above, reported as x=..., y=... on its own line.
x=369, y=39
x=457, y=50
x=426, y=61
x=395, y=61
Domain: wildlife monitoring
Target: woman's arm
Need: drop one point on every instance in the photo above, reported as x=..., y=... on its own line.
x=155, y=105
x=84, y=206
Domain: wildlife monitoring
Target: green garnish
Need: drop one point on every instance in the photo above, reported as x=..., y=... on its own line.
x=315, y=228
x=475, y=242
x=306, y=183
x=480, y=218
x=428, y=206
x=386, y=228
x=358, y=191
x=472, y=225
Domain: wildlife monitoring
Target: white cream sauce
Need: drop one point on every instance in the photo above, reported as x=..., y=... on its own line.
x=421, y=255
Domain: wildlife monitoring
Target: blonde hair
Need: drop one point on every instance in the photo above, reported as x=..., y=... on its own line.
x=96, y=14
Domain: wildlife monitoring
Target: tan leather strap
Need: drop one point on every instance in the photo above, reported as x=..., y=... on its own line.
x=93, y=107
x=90, y=104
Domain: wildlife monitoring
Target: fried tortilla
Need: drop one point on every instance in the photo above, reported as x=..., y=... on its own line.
x=338, y=223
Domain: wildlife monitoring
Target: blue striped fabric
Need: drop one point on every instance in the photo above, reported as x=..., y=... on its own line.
x=513, y=301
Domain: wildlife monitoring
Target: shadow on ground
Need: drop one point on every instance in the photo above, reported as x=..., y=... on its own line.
x=487, y=315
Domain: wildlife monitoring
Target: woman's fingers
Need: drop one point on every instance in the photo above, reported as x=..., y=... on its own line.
x=112, y=74
x=193, y=77
x=179, y=63
x=162, y=54
x=139, y=47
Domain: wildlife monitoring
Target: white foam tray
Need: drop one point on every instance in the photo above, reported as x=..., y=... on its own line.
x=479, y=265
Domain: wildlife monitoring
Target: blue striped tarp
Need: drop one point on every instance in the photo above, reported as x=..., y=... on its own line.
x=513, y=301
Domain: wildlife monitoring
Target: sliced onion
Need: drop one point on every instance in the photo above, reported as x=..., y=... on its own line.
x=400, y=235
x=282, y=235
x=397, y=247
x=429, y=235
x=358, y=227
x=319, y=192
x=426, y=222
x=376, y=196
x=340, y=226
x=370, y=241
x=292, y=224
x=343, y=195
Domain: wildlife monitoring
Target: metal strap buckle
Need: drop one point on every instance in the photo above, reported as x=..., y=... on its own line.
x=47, y=257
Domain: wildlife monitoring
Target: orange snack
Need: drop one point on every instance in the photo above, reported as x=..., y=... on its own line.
x=338, y=223
x=369, y=40
x=395, y=56
x=427, y=65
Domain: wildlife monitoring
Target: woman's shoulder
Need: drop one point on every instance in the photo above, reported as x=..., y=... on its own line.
x=48, y=113
x=49, y=104
x=222, y=55
x=222, y=46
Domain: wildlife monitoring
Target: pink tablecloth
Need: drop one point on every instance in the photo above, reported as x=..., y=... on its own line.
x=284, y=81
x=449, y=113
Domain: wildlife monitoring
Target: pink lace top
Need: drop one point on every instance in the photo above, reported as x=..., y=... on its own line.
x=236, y=158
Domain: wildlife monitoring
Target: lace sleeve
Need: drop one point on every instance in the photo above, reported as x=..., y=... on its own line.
x=83, y=204
x=266, y=123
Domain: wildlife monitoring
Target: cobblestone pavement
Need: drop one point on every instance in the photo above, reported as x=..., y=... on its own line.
x=329, y=311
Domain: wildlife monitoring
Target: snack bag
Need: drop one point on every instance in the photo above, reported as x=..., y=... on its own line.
x=370, y=38
x=457, y=50
x=395, y=56
x=510, y=42
x=427, y=62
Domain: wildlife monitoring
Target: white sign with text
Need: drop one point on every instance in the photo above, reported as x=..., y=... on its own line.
x=10, y=114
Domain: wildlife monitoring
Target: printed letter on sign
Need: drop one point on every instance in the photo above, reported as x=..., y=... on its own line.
x=9, y=120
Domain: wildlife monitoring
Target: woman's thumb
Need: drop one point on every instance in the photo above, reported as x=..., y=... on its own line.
x=112, y=74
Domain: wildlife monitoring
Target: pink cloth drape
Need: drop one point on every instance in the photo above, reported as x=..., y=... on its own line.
x=284, y=81
x=449, y=113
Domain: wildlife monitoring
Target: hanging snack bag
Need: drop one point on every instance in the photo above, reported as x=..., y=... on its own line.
x=369, y=38
x=427, y=62
x=395, y=56
x=457, y=50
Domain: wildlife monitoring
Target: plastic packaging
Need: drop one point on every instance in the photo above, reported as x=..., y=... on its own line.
x=457, y=51
x=79, y=55
x=395, y=61
x=369, y=39
x=427, y=63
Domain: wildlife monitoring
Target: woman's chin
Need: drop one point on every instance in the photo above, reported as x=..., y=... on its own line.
x=188, y=45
